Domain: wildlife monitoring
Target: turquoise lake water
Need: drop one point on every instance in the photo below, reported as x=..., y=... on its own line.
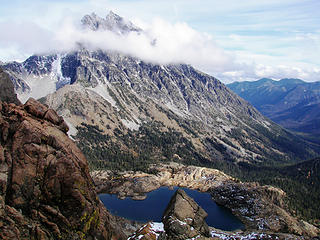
x=152, y=208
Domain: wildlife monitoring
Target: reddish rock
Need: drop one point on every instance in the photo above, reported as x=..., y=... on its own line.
x=64, y=127
x=46, y=191
x=7, y=93
x=53, y=117
x=35, y=108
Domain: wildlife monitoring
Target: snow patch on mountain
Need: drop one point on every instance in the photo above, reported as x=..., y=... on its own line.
x=130, y=124
x=227, y=128
x=72, y=130
x=102, y=90
x=57, y=74
x=171, y=106
x=157, y=226
x=43, y=79
x=40, y=87
x=249, y=236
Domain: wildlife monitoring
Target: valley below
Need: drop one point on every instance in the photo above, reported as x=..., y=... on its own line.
x=292, y=103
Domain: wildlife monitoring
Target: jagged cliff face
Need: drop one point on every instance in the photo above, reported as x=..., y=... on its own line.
x=46, y=191
x=114, y=91
x=37, y=76
x=112, y=22
x=123, y=96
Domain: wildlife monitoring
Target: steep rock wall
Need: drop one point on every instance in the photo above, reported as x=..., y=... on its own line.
x=46, y=191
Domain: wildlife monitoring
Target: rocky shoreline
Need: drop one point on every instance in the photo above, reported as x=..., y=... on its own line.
x=260, y=208
x=136, y=184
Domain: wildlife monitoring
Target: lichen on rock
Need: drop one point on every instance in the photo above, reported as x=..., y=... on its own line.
x=46, y=191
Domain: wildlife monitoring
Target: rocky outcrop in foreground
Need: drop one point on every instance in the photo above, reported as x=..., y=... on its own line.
x=46, y=191
x=184, y=218
x=260, y=208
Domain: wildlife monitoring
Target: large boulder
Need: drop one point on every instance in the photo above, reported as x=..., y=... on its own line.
x=41, y=111
x=46, y=191
x=184, y=218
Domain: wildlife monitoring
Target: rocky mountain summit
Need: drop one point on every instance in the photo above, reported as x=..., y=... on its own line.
x=46, y=191
x=112, y=22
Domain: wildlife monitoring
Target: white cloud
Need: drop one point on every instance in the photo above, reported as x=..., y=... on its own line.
x=26, y=38
x=247, y=40
x=175, y=43
x=256, y=71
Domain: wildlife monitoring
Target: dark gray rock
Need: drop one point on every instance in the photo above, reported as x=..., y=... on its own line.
x=7, y=93
x=261, y=207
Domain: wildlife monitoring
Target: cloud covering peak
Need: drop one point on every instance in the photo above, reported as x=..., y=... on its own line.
x=158, y=41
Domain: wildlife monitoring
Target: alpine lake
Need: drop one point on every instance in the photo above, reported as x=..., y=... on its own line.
x=152, y=208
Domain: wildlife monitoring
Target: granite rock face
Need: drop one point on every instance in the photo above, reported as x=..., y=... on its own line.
x=184, y=218
x=46, y=191
x=132, y=184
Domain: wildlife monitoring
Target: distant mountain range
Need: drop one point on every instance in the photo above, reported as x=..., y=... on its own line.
x=292, y=103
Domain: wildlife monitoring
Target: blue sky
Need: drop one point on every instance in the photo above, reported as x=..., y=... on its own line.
x=244, y=40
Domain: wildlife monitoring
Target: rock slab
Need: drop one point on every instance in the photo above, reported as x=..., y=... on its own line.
x=184, y=218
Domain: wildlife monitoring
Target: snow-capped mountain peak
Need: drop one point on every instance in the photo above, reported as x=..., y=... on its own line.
x=112, y=22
